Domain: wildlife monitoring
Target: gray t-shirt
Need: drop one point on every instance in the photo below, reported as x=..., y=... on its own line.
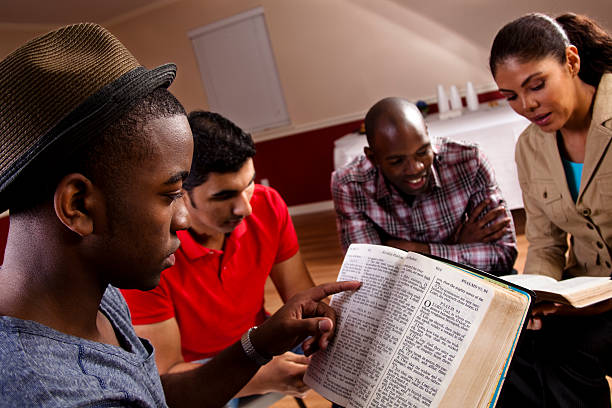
x=40, y=366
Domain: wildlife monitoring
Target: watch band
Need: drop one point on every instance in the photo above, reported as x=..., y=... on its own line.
x=250, y=351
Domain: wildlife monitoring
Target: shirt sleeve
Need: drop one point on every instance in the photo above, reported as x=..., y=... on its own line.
x=288, y=244
x=496, y=257
x=352, y=223
x=148, y=307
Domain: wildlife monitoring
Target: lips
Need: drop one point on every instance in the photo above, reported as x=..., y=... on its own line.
x=541, y=120
x=234, y=222
x=416, y=182
x=171, y=259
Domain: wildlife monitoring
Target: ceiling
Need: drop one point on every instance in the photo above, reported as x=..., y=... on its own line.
x=55, y=12
x=52, y=12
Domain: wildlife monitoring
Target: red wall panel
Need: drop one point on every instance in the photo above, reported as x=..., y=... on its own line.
x=300, y=166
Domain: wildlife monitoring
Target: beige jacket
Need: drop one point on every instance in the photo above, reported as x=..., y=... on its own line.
x=551, y=212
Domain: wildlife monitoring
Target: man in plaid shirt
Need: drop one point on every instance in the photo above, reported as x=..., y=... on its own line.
x=440, y=198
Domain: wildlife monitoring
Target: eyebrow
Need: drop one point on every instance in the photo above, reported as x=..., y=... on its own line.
x=223, y=193
x=424, y=147
x=177, y=177
x=525, y=82
x=399, y=156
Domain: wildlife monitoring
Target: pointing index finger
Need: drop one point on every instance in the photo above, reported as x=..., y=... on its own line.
x=327, y=289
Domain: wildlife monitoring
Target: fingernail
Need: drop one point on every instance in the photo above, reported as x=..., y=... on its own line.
x=325, y=325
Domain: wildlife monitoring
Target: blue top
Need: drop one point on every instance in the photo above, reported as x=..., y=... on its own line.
x=40, y=366
x=573, y=173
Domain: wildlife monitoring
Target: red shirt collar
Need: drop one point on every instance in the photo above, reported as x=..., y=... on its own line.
x=193, y=250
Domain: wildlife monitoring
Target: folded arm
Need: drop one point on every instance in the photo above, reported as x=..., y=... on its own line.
x=485, y=239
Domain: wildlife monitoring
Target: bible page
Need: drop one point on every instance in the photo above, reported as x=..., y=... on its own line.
x=564, y=287
x=333, y=372
x=579, y=291
x=433, y=314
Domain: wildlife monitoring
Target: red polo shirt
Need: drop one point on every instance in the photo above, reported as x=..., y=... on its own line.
x=216, y=296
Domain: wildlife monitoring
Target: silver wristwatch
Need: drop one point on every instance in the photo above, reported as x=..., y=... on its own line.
x=250, y=351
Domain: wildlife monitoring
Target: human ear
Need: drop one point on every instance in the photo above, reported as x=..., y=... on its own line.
x=369, y=154
x=74, y=201
x=573, y=60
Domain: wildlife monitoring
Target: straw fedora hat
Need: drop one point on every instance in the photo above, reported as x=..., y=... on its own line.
x=56, y=89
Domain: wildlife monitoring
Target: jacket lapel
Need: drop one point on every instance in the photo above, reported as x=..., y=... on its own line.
x=598, y=143
x=600, y=134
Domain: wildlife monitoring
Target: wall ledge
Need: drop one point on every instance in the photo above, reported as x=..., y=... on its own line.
x=284, y=131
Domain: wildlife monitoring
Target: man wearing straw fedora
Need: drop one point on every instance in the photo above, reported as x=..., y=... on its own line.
x=94, y=151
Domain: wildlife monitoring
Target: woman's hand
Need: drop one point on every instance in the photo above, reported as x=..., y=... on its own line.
x=547, y=308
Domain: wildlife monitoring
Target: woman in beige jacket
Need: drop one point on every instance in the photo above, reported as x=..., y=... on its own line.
x=556, y=73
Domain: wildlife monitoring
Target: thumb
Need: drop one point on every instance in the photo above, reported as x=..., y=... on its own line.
x=321, y=329
x=296, y=358
x=313, y=326
x=324, y=324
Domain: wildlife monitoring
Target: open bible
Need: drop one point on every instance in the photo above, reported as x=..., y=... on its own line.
x=578, y=292
x=421, y=332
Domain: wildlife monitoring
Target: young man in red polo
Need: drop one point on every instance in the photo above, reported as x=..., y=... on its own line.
x=240, y=234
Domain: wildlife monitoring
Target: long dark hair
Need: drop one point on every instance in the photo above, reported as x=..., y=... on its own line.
x=535, y=36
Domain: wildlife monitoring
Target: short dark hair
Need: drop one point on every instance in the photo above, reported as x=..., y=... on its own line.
x=219, y=146
x=117, y=146
x=535, y=36
x=388, y=109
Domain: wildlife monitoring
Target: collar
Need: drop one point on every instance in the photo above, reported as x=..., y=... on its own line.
x=191, y=248
x=194, y=250
x=602, y=106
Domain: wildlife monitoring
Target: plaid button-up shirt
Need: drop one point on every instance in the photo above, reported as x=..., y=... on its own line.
x=371, y=210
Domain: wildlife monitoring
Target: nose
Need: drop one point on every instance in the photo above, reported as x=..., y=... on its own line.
x=413, y=167
x=180, y=218
x=529, y=103
x=242, y=206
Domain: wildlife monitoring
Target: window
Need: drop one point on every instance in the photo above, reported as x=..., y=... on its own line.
x=239, y=72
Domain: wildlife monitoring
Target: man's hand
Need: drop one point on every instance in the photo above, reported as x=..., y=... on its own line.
x=477, y=230
x=284, y=374
x=540, y=310
x=302, y=316
x=214, y=383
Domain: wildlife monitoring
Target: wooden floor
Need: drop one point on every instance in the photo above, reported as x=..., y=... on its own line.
x=320, y=248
